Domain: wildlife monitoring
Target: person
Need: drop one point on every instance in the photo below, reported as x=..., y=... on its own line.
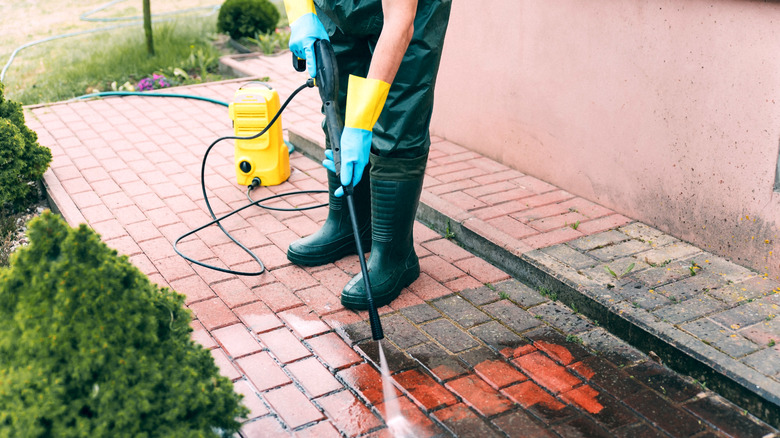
x=388, y=54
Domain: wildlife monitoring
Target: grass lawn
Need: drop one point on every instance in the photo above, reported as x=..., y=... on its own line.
x=64, y=68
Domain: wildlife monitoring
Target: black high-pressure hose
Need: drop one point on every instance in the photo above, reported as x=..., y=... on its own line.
x=327, y=83
x=217, y=220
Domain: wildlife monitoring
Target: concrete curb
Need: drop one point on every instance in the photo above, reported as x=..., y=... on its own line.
x=59, y=200
x=680, y=351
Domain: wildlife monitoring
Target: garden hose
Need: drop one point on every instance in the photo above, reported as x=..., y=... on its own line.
x=141, y=93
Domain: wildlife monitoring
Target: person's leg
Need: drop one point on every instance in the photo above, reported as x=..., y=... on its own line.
x=399, y=154
x=335, y=238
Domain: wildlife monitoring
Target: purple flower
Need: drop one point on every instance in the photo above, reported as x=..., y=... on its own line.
x=153, y=83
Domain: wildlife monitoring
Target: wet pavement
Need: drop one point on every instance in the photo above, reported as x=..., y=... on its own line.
x=472, y=350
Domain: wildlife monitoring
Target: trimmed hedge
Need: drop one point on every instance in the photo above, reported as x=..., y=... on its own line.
x=22, y=159
x=247, y=18
x=89, y=347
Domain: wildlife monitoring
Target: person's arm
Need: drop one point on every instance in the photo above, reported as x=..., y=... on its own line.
x=394, y=39
x=366, y=96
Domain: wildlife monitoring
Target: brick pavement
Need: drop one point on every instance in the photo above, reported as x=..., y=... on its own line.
x=473, y=351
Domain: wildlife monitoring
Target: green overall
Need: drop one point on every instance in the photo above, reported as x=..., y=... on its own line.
x=402, y=130
x=387, y=196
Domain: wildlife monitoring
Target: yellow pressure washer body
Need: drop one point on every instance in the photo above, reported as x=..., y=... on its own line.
x=267, y=156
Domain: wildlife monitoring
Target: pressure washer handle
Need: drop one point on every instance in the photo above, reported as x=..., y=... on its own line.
x=299, y=64
x=328, y=86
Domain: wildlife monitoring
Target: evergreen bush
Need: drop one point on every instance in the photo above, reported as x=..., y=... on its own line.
x=22, y=159
x=247, y=18
x=90, y=348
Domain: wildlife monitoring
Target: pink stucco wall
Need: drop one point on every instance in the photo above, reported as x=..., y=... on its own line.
x=666, y=111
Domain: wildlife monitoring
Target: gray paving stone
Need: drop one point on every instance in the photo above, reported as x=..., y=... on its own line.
x=639, y=295
x=726, y=340
x=663, y=274
x=719, y=266
x=476, y=356
x=688, y=310
x=481, y=295
x=747, y=313
x=588, y=243
x=745, y=290
x=512, y=316
x=648, y=234
x=766, y=361
x=619, y=266
x=766, y=332
x=355, y=332
x=449, y=336
x=690, y=287
x=561, y=317
x=520, y=293
x=399, y=330
x=570, y=256
x=611, y=347
x=673, y=251
x=440, y=363
x=397, y=360
x=495, y=335
x=421, y=313
x=461, y=311
x=618, y=250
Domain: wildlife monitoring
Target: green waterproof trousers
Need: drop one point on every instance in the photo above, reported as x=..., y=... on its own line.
x=402, y=130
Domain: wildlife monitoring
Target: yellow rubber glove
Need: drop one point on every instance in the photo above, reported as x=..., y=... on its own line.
x=365, y=100
x=305, y=28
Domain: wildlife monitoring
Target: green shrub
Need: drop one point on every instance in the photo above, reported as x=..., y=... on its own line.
x=89, y=347
x=22, y=159
x=247, y=18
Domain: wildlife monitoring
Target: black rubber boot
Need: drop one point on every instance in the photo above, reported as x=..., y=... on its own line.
x=335, y=239
x=395, y=193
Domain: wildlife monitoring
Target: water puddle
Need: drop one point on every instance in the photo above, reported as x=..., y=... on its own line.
x=399, y=426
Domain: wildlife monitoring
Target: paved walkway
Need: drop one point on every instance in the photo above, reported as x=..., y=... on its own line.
x=473, y=351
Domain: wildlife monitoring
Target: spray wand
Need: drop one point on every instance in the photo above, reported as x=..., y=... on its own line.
x=327, y=83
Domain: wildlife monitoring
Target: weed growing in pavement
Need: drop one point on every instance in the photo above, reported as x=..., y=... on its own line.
x=573, y=339
x=448, y=234
x=575, y=225
x=547, y=293
x=693, y=268
x=489, y=286
x=503, y=295
x=771, y=343
x=623, y=274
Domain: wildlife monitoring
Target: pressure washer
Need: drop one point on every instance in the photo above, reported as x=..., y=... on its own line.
x=266, y=157
x=263, y=158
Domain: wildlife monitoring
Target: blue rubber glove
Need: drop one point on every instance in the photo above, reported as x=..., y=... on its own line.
x=365, y=100
x=303, y=32
x=330, y=165
x=355, y=148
